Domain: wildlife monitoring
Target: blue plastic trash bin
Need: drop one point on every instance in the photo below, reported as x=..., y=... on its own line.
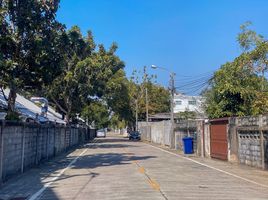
x=188, y=145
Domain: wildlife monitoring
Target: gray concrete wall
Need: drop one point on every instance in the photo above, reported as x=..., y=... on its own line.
x=156, y=132
x=250, y=148
x=248, y=138
x=265, y=149
x=191, y=128
x=23, y=145
x=233, y=141
x=206, y=140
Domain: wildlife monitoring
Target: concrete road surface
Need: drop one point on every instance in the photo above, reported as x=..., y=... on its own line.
x=114, y=168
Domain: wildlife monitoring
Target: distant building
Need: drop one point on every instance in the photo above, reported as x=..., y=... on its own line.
x=184, y=103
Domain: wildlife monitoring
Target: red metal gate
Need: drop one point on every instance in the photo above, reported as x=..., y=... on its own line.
x=218, y=139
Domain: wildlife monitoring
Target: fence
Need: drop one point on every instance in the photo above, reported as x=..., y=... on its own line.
x=23, y=145
x=241, y=139
x=159, y=132
x=187, y=128
x=252, y=138
x=156, y=132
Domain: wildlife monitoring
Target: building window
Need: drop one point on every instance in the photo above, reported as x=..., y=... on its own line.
x=178, y=102
x=193, y=102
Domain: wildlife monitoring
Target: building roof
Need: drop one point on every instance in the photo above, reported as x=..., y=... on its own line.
x=188, y=97
x=30, y=109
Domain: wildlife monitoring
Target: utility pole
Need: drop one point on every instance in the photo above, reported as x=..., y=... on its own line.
x=172, y=92
x=136, y=127
x=146, y=96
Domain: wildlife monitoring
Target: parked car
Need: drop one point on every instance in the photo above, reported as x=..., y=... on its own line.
x=134, y=135
x=101, y=133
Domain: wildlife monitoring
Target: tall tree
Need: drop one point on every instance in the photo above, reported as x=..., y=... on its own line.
x=86, y=73
x=101, y=75
x=117, y=97
x=233, y=90
x=65, y=91
x=240, y=87
x=96, y=114
x=30, y=53
x=248, y=39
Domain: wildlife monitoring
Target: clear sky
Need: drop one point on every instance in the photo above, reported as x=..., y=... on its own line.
x=189, y=37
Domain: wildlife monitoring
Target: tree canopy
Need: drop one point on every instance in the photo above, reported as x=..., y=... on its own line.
x=40, y=56
x=30, y=50
x=239, y=87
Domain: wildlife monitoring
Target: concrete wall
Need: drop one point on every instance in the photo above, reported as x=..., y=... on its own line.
x=23, y=145
x=156, y=132
x=159, y=133
x=265, y=147
x=247, y=137
x=206, y=145
x=190, y=128
x=250, y=148
x=145, y=130
x=252, y=139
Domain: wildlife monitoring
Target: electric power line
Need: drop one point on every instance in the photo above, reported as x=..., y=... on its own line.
x=194, y=84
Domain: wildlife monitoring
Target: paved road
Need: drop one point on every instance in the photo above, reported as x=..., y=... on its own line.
x=114, y=168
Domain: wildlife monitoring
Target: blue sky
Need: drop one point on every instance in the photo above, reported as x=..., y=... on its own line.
x=189, y=37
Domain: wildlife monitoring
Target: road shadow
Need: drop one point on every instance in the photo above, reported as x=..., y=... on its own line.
x=112, y=140
x=108, y=159
x=23, y=186
x=106, y=146
x=33, y=180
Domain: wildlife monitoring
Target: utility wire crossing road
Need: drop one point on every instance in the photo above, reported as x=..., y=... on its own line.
x=114, y=168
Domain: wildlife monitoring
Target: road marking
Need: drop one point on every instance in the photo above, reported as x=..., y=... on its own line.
x=208, y=166
x=154, y=184
x=39, y=192
x=142, y=170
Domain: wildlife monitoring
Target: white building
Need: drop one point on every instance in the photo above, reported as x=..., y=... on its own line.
x=184, y=103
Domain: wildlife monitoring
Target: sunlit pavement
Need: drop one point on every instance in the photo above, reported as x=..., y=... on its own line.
x=115, y=168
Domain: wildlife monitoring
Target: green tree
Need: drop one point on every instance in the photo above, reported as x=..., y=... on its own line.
x=96, y=114
x=239, y=88
x=99, y=76
x=30, y=51
x=232, y=92
x=158, y=96
x=247, y=38
x=69, y=88
x=118, y=98
x=86, y=75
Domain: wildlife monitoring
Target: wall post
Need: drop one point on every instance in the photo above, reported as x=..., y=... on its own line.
x=262, y=141
x=37, y=145
x=23, y=148
x=1, y=151
x=47, y=143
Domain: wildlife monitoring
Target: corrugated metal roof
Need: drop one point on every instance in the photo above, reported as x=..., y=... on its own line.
x=30, y=109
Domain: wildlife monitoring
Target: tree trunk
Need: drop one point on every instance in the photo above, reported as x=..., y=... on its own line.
x=67, y=118
x=69, y=109
x=11, y=101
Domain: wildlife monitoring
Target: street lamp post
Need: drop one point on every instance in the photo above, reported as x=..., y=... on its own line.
x=172, y=92
x=147, y=109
